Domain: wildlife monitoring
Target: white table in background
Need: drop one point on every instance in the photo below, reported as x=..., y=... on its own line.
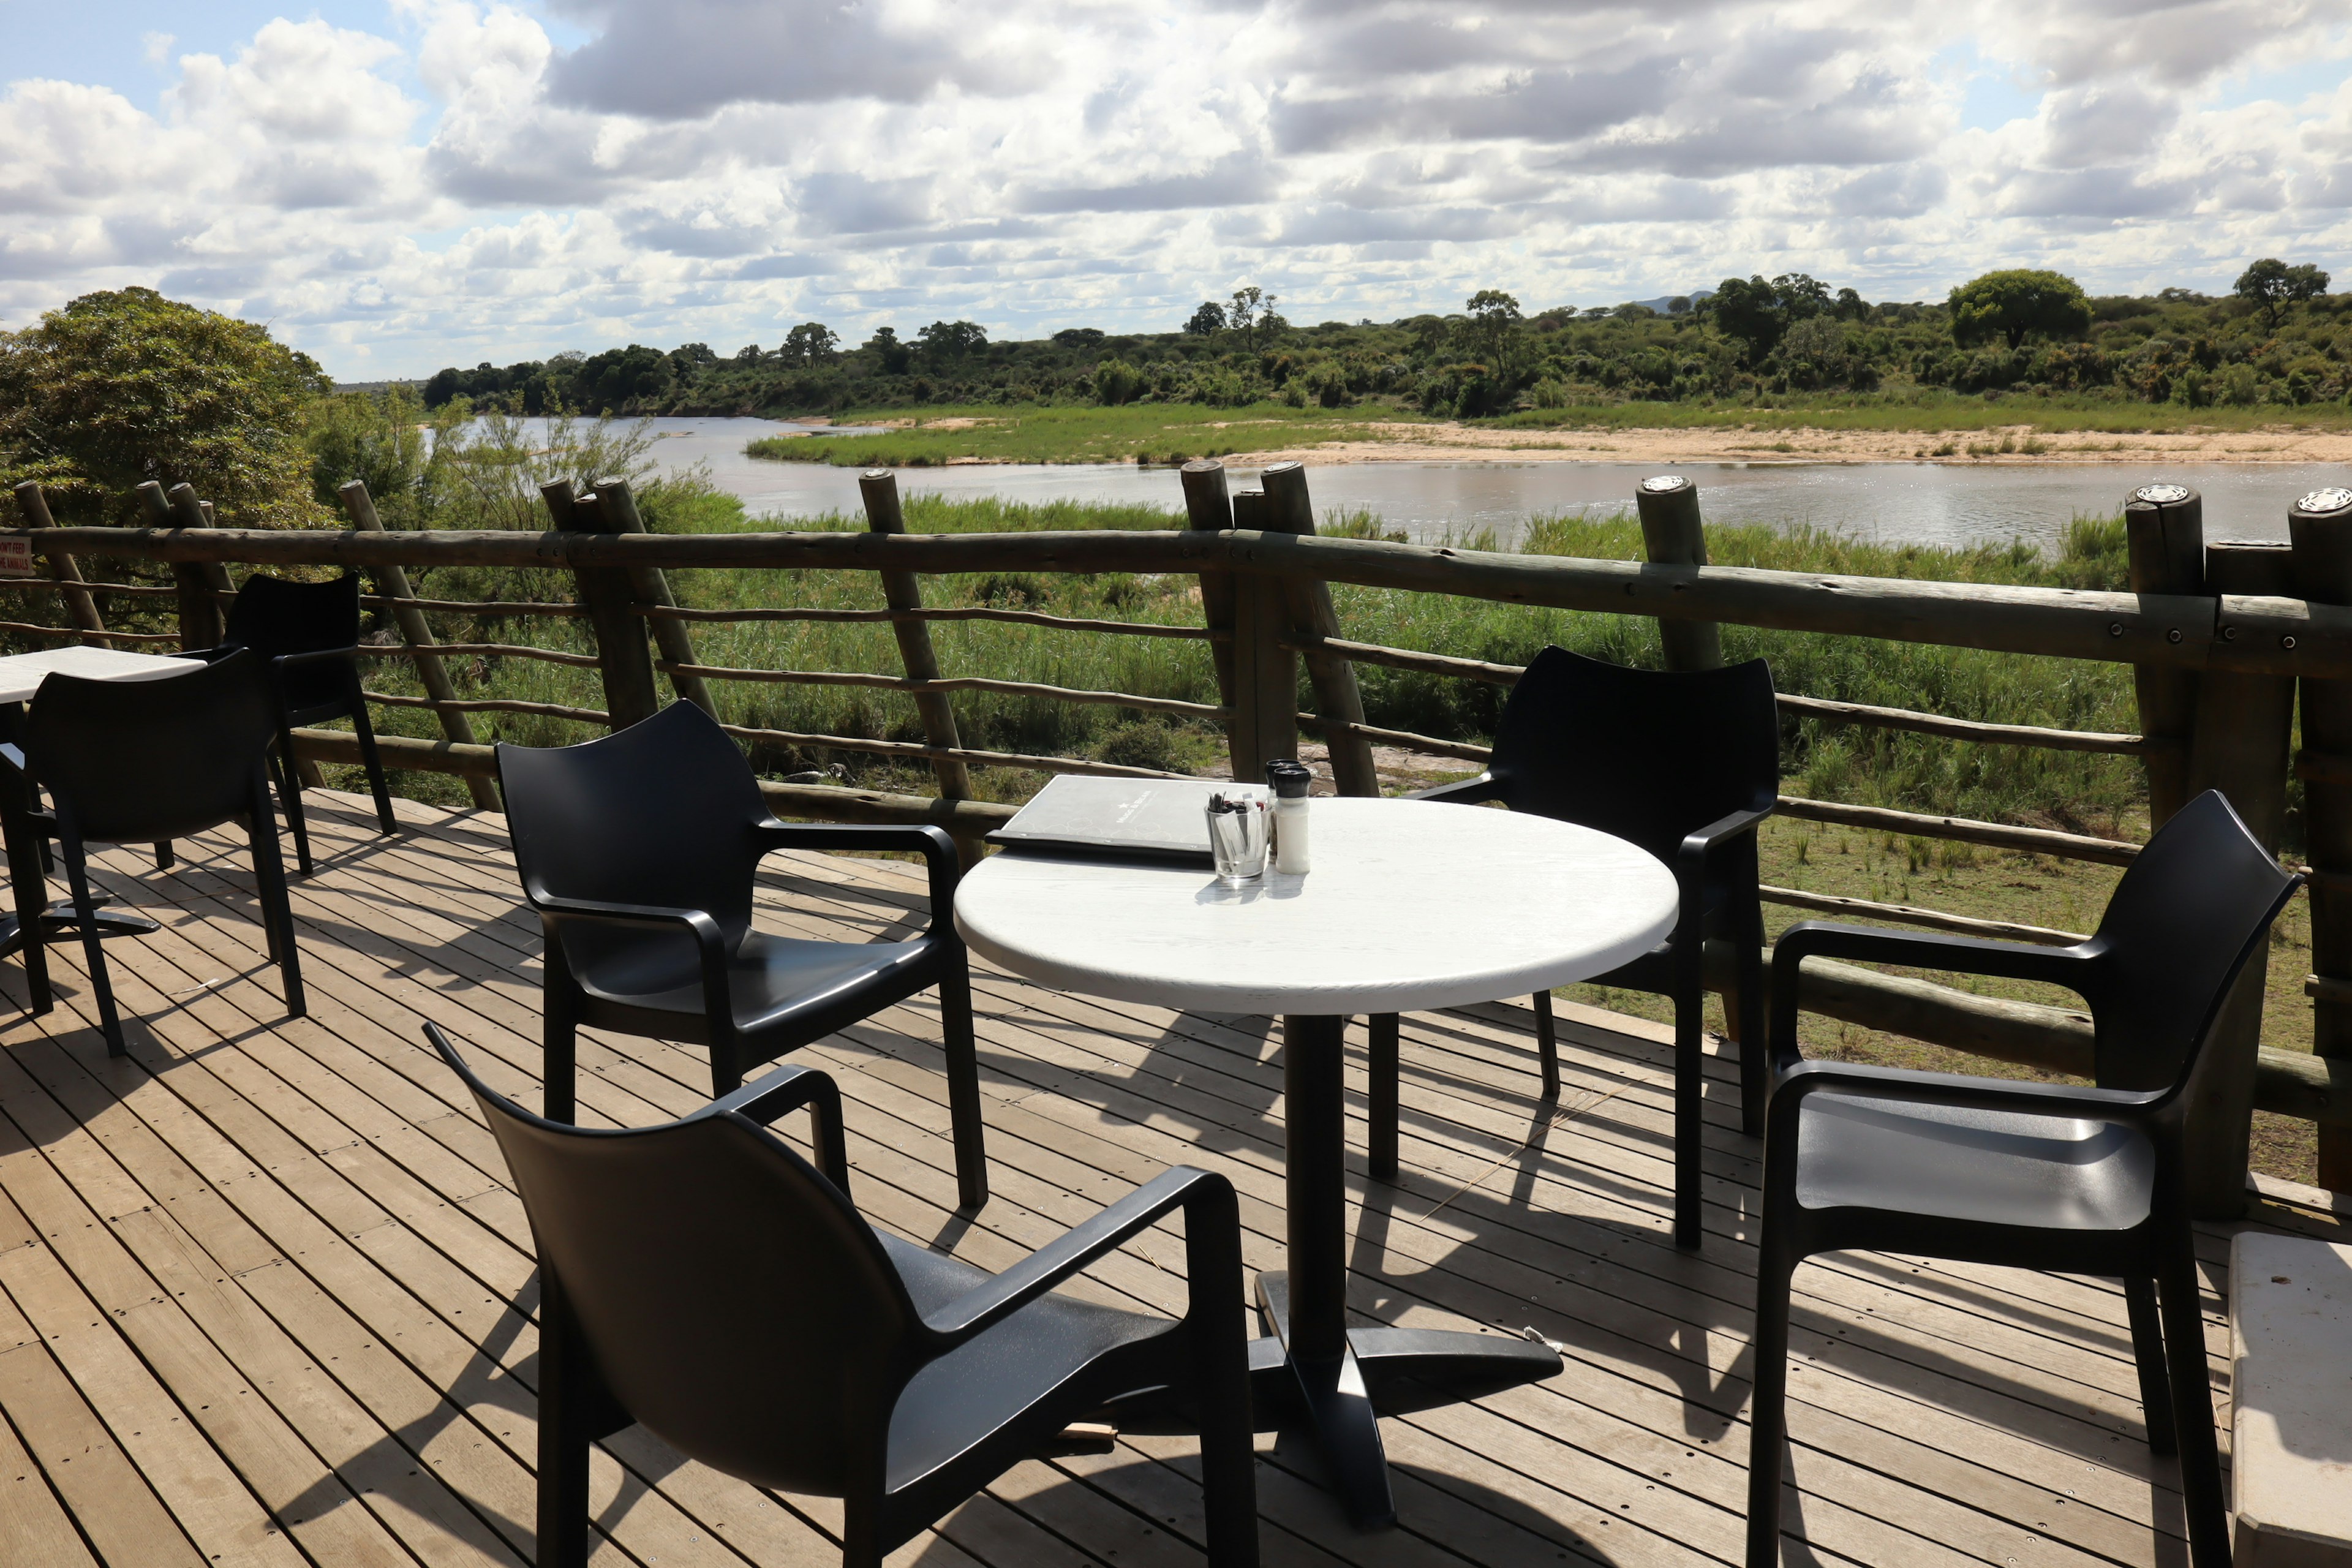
x=21, y=675
x=1410, y=907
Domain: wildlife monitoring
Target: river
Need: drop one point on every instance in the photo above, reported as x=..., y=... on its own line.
x=1926, y=503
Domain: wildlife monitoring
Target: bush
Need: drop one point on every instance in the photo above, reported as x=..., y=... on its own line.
x=1117, y=382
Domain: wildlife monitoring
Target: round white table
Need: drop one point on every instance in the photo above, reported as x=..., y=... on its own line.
x=1409, y=907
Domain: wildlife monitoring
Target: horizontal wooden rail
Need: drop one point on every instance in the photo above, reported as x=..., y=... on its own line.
x=151, y=589
x=479, y=649
x=950, y=683
x=823, y=803
x=1404, y=740
x=913, y=750
x=2246, y=634
x=1810, y=707
x=1910, y=914
x=1015, y=617
x=1962, y=829
x=473, y=607
x=492, y=705
x=1967, y=729
x=73, y=634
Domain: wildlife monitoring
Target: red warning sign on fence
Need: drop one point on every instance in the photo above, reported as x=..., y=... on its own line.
x=15, y=557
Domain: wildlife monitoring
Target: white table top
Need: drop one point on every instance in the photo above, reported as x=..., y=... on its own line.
x=1410, y=906
x=21, y=673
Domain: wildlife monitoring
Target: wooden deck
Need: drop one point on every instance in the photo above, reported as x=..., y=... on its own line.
x=265, y=1297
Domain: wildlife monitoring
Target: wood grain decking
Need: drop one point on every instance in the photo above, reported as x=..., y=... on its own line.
x=266, y=1299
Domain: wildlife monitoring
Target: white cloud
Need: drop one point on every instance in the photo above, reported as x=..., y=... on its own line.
x=459, y=186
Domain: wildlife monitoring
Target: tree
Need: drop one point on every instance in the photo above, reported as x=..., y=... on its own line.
x=892, y=354
x=1494, y=323
x=810, y=342
x=118, y=388
x=951, y=339
x=1208, y=320
x=1850, y=306
x=2012, y=303
x=2271, y=283
x=1757, y=313
x=1241, y=315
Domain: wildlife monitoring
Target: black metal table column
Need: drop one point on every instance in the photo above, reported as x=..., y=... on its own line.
x=1340, y=1378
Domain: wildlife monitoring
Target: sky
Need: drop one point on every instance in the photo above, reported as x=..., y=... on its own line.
x=396, y=185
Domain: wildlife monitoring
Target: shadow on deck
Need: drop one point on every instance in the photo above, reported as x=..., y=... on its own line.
x=266, y=1299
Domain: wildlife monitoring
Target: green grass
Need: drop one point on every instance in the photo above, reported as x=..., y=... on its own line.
x=1132, y=433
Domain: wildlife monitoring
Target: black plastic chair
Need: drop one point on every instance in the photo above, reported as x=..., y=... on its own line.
x=140, y=761
x=2028, y=1175
x=703, y=1279
x=638, y=852
x=1684, y=764
x=306, y=634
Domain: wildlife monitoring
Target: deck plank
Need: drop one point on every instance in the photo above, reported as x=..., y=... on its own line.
x=305, y=1223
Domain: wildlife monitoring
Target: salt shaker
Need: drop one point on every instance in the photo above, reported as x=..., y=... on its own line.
x=1289, y=781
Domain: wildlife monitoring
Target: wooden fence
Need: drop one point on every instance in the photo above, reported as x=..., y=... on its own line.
x=2221, y=639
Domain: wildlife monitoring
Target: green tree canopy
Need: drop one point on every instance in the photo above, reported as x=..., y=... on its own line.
x=810, y=342
x=2010, y=304
x=1494, y=321
x=1757, y=312
x=118, y=388
x=1208, y=320
x=2271, y=283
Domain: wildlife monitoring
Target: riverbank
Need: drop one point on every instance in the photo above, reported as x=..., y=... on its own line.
x=1957, y=431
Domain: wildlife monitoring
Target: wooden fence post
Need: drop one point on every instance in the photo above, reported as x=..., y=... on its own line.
x=879, y=488
x=200, y=613
x=651, y=587
x=1208, y=509
x=1264, y=725
x=1308, y=604
x=2164, y=529
x=630, y=696
x=391, y=582
x=80, y=604
x=1673, y=535
x=2238, y=744
x=2320, y=526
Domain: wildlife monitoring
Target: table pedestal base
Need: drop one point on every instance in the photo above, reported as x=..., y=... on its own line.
x=1378, y=1370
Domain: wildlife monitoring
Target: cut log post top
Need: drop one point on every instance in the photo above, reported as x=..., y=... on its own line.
x=1673, y=535
x=1307, y=604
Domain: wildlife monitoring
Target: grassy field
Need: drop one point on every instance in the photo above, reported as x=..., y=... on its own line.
x=1078, y=433
x=2076, y=790
x=1174, y=432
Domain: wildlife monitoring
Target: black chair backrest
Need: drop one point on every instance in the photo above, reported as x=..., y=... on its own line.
x=1646, y=755
x=140, y=761
x=2192, y=909
x=732, y=1298
x=274, y=617
x=658, y=813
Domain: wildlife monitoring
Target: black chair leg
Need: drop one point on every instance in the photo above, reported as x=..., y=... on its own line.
x=2192, y=1406
x=31, y=893
x=563, y=1427
x=368, y=760
x=290, y=791
x=1768, y=1423
x=1384, y=1062
x=277, y=901
x=110, y=1023
x=2147, y=1354
x=1221, y=1380
x=559, y=1047
x=964, y=1117
x=1747, y=1023
x=1547, y=1046
x=1690, y=1074
x=163, y=856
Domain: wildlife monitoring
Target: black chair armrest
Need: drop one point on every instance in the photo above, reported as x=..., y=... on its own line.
x=716, y=1004
x=2136, y=1106
x=1207, y=1195
x=315, y=656
x=1461, y=791
x=2074, y=968
x=938, y=850
x=786, y=1089
x=1716, y=834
